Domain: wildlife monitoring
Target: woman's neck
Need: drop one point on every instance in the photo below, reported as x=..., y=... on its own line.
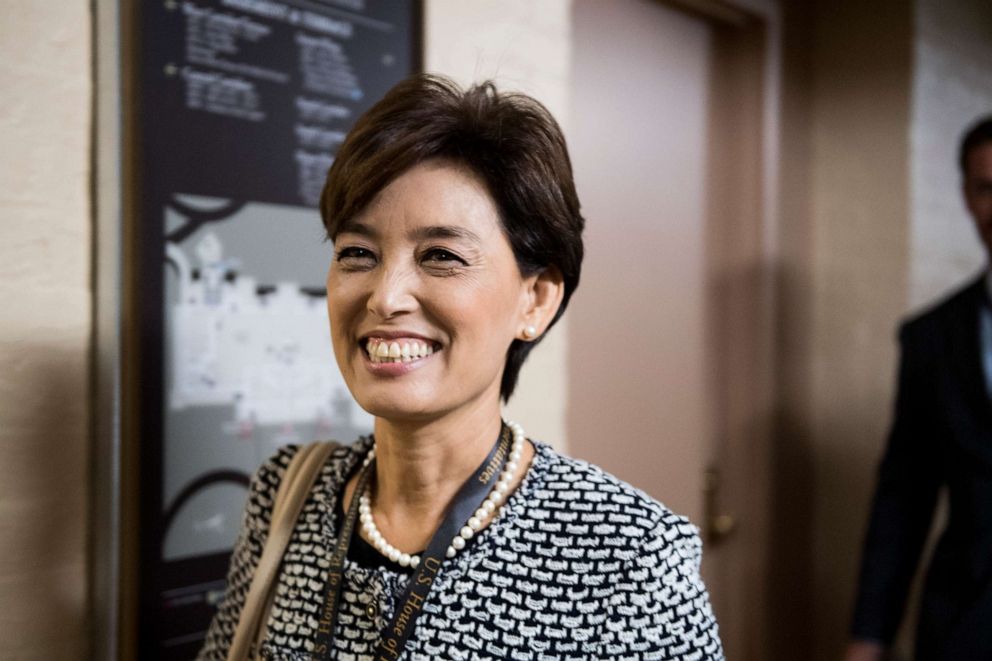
x=420, y=466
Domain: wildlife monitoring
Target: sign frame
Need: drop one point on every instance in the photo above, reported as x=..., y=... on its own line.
x=130, y=574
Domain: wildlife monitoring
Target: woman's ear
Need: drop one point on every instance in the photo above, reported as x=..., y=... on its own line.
x=544, y=293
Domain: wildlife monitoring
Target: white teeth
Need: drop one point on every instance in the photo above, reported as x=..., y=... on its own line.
x=382, y=351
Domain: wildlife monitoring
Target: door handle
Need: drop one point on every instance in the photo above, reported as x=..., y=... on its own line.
x=718, y=525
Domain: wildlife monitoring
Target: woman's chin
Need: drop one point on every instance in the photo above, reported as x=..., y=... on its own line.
x=396, y=407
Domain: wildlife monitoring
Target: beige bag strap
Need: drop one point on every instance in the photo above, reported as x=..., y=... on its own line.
x=293, y=490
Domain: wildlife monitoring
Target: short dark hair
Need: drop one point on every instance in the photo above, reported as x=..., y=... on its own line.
x=979, y=134
x=509, y=140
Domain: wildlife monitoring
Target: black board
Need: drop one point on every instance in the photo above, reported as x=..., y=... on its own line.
x=237, y=108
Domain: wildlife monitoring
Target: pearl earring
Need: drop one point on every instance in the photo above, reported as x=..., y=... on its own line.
x=530, y=332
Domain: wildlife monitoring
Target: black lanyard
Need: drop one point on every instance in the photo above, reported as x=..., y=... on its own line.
x=394, y=636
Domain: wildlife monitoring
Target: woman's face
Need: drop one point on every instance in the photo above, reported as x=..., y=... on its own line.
x=424, y=296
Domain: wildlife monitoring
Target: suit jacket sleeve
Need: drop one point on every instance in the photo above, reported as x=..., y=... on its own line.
x=909, y=478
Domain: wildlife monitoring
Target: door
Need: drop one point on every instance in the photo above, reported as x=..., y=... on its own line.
x=666, y=335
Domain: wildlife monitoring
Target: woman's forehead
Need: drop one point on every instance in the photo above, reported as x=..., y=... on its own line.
x=432, y=200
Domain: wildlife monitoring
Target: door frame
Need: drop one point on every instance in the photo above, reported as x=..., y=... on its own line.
x=741, y=245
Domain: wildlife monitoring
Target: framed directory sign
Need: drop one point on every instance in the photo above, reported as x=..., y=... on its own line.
x=236, y=110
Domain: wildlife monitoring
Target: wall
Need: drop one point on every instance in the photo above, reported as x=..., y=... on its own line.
x=843, y=286
x=860, y=238
x=524, y=46
x=952, y=86
x=44, y=327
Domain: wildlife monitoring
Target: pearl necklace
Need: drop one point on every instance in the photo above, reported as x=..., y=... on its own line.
x=488, y=510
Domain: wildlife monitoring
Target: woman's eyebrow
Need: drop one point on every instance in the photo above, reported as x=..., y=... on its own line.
x=421, y=233
x=446, y=232
x=354, y=227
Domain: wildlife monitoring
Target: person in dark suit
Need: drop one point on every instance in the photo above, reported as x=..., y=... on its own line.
x=941, y=437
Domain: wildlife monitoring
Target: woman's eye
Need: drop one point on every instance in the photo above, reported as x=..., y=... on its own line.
x=443, y=256
x=355, y=255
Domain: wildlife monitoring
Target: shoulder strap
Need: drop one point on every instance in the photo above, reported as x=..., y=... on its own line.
x=293, y=490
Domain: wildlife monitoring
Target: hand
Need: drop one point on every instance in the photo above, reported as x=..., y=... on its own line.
x=864, y=650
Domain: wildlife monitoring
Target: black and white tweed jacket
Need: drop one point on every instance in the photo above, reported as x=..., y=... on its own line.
x=578, y=565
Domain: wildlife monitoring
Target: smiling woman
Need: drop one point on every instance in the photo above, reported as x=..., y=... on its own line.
x=426, y=264
x=448, y=534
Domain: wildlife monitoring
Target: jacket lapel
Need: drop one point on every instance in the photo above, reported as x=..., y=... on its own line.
x=965, y=353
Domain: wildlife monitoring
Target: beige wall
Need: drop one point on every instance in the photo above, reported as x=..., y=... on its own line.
x=860, y=198
x=843, y=286
x=44, y=327
x=526, y=46
x=952, y=86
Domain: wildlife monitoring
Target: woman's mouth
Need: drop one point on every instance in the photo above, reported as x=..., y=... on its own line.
x=398, y=350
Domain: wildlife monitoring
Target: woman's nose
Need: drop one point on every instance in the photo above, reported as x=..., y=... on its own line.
x=392, y=293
